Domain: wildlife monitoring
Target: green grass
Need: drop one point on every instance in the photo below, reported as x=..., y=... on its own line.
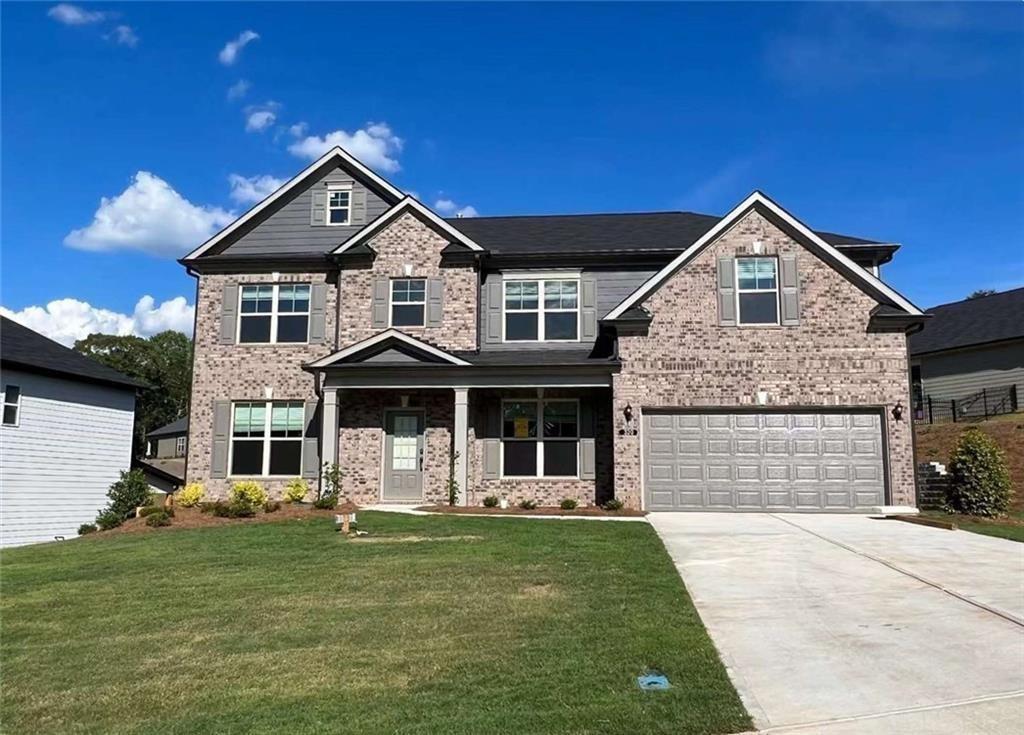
x=531, y=626
x=974, y=524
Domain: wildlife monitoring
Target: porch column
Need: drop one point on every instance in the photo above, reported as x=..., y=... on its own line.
x=461, y=443
x=328, y=430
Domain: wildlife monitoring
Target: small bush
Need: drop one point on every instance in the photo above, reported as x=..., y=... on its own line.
x=568, y=504
x=86, y=528
x=234, y=509
x=127, y=494
x=191, y=495
x=154, y=509
x=155, y=520
x=327, y=502
x=613, y=504
x=208, y=507
x=528, y=504
x=271, y=506
x=108, y=519
x=979, y=481
x=491, y=501
x=249, y=493
x=296, y=490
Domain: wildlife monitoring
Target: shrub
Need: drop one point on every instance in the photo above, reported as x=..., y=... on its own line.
x=296, y=490
x=527, y=504
x=86, y=528
x=613, y=504
x=150, y=510
x=191, y=495
x=208, y=507
x=453, y=484
x=234, y=509
x=108, y=519
x=248, y=493
x=979, y=481
x=127, y=494
x=491, y=501
x=155, y=520
x=271, y=506
x=326, y=502
x=568, y=504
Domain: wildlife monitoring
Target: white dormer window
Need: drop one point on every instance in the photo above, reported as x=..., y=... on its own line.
x=339, y=205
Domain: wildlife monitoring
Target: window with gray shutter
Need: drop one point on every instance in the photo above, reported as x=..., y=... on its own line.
x=358, y=216
x=492, y=441
x=435, y=306
x=726, y=292
x=318, y=210
x=789, y=295
x=379, y=308
x=588, y=308
x=492, y=328
x=318, y=314
x=221, y=439
x=228, y=314
x=311, y=441
x=588, y=447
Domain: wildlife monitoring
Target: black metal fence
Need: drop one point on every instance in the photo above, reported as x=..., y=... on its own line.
x=986, y=402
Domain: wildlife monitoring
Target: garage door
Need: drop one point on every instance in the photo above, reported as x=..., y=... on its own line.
x=763, y=461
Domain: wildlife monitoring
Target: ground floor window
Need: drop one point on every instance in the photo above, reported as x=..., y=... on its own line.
x=266, y=438
x=540, y=438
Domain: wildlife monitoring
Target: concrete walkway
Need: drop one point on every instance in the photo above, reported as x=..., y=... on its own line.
x=848, y=624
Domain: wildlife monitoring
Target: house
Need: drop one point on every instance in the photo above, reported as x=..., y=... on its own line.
x=164, y=463
x=669, y=359
x=65, y=436
x=969, y=359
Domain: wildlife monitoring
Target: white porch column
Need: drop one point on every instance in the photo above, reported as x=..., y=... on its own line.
x=461, y=443
x=328, y=430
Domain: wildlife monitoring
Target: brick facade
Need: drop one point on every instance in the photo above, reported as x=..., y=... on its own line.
x=830, y=359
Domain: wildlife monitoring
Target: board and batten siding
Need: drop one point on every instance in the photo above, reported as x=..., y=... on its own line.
x=289, y=228
x=960, y=373
x=71, y=442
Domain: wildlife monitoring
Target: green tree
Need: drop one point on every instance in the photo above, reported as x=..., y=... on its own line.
x=979, y=480
x=163, y=362
x=981, y=292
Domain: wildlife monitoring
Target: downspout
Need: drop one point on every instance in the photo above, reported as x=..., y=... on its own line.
x=188, y=407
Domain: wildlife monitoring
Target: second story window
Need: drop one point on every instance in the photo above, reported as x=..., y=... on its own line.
x=277, y=313
x=757, y=290
x=542, y=310
x=408, y=302
x=179, y=447
x=12, y=405
x=339, y=206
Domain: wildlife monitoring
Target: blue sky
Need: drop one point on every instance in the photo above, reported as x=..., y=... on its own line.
x=900, y=122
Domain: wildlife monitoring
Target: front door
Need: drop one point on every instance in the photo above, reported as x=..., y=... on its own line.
x=403, y=456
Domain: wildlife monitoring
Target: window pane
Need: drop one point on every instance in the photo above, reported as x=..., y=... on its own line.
x=521, y=326
x=254, y=329
x=292, y=328
x=758, y=308
x=242, y=413
x=766, y=272
x=399, y=290
x=560, y=325
x=520, y=458
x=560, y=294
x=746, y=273
x=339, y=198
x=11, y=394
x=247, y=457
x=279, y=420
x=339, y=216
x=560, y=419
x=530, y=292
x=404, y=315
x=519, y=420
x=285, y=457
x=560, y=459
x=10, y=415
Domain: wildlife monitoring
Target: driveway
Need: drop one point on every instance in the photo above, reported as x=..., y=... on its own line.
x=848, y=624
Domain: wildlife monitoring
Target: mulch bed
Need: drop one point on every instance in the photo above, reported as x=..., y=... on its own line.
x=550, y=510
x=194, y=518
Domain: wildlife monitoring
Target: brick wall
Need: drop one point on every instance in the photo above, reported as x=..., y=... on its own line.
x=828, y=360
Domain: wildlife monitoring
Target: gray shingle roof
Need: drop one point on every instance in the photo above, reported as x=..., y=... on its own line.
x=972, y=322
x=178, y=426
x=20, y=347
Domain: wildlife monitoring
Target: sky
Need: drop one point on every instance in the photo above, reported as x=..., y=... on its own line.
x=132, y=132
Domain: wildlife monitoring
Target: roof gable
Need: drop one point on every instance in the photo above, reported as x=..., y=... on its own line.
x=421, y=212
x=390, y=346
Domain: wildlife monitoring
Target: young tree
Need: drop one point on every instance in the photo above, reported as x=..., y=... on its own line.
x=981, y=292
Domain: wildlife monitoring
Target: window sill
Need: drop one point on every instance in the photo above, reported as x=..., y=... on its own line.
x=307, y=343
x=545, y=478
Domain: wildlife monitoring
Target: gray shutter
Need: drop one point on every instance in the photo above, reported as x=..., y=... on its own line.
x=588, y=308
x=380, y=303
x=229, y=314
x=311, y=442
x=435, y=299
x=588, y=448
x=492, y=440
x=358, y=214
x=221, y=437
x=727, y=292
x=318, y=210
x=790, y=292
x=492, y=330
x=318, y=313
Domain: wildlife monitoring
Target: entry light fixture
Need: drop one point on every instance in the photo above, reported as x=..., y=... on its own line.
x=897, y=411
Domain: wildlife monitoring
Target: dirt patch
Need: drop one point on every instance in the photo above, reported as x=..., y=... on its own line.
x=552, y=510
x=537, y=592
x=410, y=539
x=194, y=518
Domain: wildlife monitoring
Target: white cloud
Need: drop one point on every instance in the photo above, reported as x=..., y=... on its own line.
x=72, y=15
x=149, y=216
x=375, y=145
x=124, y=36
x=298, y=129
x=229, y=54
x=259, y=120
x=448, y=208
x=246, y=190
x=239, y=89
x=67, y=320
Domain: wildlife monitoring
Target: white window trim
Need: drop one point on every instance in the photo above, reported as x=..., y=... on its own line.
x=273, y=314
x=179, y=446
x=540, y=310
x=391, y=303
x=265, y=470
x=347, y=187
x=539, y=439
x=776, y=291
x=16, y=404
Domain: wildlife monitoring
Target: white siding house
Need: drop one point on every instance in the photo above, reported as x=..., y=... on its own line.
x=64, y=438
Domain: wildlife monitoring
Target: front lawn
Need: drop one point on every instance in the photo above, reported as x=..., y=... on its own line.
x=1011, y=527
x=427, y=625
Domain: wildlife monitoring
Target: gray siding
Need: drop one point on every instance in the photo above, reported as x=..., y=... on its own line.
x=289, y=228
x=71, y=443
x=166, y=447
x=965, y=372
x=612, y=287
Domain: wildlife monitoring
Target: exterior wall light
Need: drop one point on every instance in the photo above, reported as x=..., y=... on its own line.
x=897, y=411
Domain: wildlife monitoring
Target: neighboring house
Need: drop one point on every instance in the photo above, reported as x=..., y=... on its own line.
x=166, y=449
x=971, y=352
x=65, y=436
x=672, y=360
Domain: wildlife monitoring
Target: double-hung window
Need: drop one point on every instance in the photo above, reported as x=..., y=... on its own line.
x=408, y=302
x=339, y=206
x=12, y=405
x=266, y=438
x=540, y=438
x=179, y=447
x=545, y=310
x=274, y=313
x=757, y=290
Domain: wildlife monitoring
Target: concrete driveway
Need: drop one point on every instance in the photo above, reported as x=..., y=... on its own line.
x=848, y=624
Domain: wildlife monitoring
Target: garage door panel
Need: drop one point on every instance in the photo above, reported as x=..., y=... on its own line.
x=805, y=447
x=747, y=421
x=719, y=472
x=717, y=421
x=689, y=447
x=748, y=472
x=834, y=447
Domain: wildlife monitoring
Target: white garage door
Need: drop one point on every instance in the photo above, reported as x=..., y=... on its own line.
x=770, y=461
